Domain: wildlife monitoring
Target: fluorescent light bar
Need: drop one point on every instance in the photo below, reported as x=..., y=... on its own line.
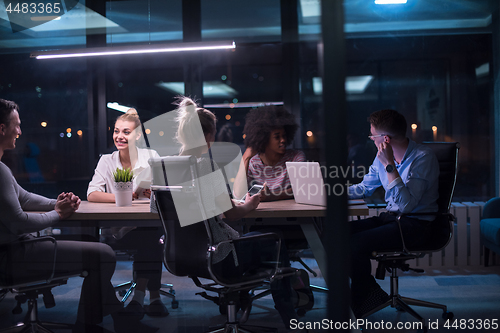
x=136, y=49
x=241, y=105
x=118, y=107
x=390, y=2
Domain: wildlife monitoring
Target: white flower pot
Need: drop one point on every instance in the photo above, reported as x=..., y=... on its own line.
x=123, y=194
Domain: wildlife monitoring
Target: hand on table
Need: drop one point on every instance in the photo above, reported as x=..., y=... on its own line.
x=67, y=204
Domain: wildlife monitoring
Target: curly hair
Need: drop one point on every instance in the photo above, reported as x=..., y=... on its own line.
x=260, y=122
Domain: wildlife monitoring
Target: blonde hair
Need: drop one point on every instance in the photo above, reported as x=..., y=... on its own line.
x=132, y=116
x=187, y=110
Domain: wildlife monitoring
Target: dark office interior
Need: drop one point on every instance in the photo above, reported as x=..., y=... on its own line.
x=330, y=63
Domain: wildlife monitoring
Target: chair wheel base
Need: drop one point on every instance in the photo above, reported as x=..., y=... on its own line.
x=175, y=304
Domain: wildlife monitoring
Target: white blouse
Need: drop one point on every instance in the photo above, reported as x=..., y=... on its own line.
x=103, y=175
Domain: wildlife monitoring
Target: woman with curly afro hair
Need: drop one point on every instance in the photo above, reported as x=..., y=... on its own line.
x=269, y=130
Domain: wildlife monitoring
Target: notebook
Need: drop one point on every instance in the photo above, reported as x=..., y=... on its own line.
x=307, y=183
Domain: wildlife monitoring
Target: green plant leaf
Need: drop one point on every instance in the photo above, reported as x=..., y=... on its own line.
x=121, y=175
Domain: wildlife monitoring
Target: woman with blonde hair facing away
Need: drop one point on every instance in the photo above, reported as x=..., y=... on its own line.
x=226, y=261
x=148, y=260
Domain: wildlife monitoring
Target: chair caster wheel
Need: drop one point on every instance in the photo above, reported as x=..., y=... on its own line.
x=175, y=304
x=301, y=312
x=448, y=315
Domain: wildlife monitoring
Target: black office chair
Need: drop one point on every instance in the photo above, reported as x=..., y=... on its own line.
x=28, y=288
x=447, y=155
x=189, y=249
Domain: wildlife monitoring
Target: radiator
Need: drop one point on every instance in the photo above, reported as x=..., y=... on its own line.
x=465, y=248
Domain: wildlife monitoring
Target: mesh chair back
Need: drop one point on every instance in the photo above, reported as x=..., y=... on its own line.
x=447, y=156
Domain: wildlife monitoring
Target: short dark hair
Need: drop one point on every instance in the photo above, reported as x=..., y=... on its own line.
x=390, y=122
x=260, y=122
x=6, y=108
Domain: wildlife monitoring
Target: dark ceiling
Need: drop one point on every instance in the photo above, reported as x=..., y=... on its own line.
x=244, y=21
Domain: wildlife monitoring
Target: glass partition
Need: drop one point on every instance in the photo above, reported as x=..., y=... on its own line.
x=432, y=62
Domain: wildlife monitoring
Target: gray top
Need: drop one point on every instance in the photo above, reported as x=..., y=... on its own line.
x=14, y=202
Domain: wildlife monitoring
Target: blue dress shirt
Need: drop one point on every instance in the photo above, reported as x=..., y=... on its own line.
x=417, y=189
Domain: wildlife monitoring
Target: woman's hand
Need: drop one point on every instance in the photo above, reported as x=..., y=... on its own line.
x=252, y=201
x=147, y=193
x=266, y=194
x=135, y=196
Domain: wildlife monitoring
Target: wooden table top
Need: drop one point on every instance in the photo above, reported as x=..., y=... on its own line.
x=140, y=211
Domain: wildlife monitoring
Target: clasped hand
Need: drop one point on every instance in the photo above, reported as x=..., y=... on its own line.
x=67, y=204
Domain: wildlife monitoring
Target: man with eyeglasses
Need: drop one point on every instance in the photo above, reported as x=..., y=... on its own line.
x=409, y=174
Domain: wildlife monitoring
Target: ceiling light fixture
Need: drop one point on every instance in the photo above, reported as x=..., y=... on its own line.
x=210, y=88
x=135, y=49
x=118, y=107
x=241, y=105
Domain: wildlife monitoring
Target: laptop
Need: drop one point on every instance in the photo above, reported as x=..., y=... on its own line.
x=307, y=183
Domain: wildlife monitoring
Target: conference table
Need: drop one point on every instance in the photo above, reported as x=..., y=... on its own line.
x=104, y=214
x=282, y=213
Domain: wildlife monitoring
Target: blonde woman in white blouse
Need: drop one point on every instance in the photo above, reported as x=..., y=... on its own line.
x=148, y=260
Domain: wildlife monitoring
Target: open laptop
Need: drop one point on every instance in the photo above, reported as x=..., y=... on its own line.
x=308, y=186
x=307, y=183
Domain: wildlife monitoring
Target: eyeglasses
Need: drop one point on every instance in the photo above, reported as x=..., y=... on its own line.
x=376, y=136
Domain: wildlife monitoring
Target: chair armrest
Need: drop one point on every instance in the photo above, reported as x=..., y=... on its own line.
x=36, y=240
x=54, y=253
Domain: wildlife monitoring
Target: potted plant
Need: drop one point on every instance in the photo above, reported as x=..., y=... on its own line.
x=123, y=186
